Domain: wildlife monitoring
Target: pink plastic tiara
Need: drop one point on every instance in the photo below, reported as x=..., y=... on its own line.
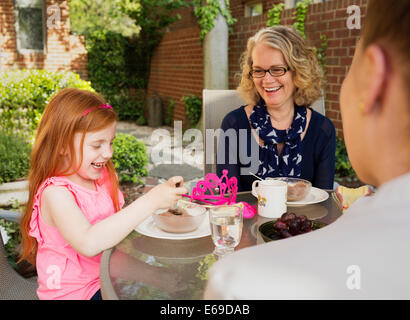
x=215, y=190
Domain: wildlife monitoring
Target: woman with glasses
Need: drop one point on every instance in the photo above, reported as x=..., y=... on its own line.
x=281, y=78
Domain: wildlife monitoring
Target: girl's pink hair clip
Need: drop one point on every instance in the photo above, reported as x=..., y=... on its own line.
x=103, y=106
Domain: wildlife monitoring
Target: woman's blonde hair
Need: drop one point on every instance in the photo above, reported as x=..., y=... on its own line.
x=61, y=120
x=302, y=60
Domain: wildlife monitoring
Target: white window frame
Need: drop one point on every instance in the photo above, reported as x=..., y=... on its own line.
x=248, y=6
x=16, y=24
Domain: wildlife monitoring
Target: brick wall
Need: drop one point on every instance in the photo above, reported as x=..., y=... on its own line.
x=176, y=67
x=180, y=51
x=330, y=18
x=63, y=50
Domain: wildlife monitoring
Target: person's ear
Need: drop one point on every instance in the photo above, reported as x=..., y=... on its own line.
x=375, y=74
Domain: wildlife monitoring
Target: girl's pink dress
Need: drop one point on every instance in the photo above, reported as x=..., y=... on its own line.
x=62, y=272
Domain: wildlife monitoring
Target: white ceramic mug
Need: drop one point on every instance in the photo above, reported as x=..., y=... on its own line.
x=272, y=197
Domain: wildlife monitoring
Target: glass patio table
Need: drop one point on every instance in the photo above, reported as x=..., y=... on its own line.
x=143, y=267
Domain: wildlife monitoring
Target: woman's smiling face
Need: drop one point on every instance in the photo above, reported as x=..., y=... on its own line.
x=276, y=91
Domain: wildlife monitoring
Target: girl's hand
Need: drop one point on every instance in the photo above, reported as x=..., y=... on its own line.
x=165, y=195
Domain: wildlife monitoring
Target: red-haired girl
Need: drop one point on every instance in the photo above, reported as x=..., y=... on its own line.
x=73, y=195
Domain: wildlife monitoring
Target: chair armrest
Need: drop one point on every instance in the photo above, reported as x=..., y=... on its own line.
x=13, y=216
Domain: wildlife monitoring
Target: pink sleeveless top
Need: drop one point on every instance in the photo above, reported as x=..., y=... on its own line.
x=62, y=272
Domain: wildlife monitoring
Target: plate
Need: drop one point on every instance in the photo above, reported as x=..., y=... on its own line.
x=148, y=228
x=269, y=234
x=315, y=195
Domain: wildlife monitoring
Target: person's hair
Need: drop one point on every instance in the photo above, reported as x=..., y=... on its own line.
x=61, y=120
x=302, y=60
x=387, y=24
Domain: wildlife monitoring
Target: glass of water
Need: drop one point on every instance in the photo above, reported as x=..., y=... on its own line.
x=226, y=227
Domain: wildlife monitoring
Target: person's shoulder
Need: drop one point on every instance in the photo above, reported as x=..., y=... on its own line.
x=58, y=189
x=56, y=193
x=235, y=117
x=323, y=123
x=236, y=113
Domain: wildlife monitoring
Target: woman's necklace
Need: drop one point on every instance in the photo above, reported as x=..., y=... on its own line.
x=284, y=123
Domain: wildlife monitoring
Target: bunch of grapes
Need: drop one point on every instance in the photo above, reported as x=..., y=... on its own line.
x=291, y=225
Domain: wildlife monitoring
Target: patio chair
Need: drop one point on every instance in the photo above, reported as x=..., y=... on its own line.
x=216, y=104
x=13, y=216
x=12, y=285
x=319, y=104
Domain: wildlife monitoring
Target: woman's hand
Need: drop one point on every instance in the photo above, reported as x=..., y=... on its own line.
x=168, y=193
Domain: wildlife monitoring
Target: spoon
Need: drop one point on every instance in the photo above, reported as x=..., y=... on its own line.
x=256, y=176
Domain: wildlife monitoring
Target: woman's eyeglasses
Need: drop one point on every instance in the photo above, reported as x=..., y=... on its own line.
x=274, y=72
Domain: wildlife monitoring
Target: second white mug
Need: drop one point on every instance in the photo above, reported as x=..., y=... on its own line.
x=272, y=197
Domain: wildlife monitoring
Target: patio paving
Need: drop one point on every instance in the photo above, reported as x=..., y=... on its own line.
x=163, y=171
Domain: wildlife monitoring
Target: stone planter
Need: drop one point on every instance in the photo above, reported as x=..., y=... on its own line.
x=155, y=112
x=11, y=191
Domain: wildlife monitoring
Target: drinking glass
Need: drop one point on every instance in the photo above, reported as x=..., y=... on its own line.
x=226, y=227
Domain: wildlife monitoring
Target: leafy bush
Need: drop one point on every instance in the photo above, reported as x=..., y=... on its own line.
x=193, y=108
x=126, y=107
x=112, y=74
x=274, y=14
x=106, y=64
x=343, y=166
x=141, y=121
x=130, y=158
x=25, y=93
x=13, y=231
x=14, y=157
x=33, y=88
x=170, y=113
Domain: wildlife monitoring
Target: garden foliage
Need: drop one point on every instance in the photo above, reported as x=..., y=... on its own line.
x=342, y=165
x=112, y=72
x=14, y=157
x=25, y=93
x=130, y=158
x=193, y=108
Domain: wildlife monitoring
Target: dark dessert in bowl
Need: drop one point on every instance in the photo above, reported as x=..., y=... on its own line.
x=298, y=188
x=185, y=217
x=288, y=225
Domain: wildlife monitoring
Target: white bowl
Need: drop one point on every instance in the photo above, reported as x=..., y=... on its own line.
x=190, y=217
x=298, y=188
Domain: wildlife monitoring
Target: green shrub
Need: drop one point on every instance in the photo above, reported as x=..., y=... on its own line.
x=343, y=167
x=14, y=157
x=25, y=93
x=170, y=113
x=130, y=158
x=193, y=108
x=111, y=73
x=141, y=121
x=126, y=107
x=106, y=64
x=13, y=231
